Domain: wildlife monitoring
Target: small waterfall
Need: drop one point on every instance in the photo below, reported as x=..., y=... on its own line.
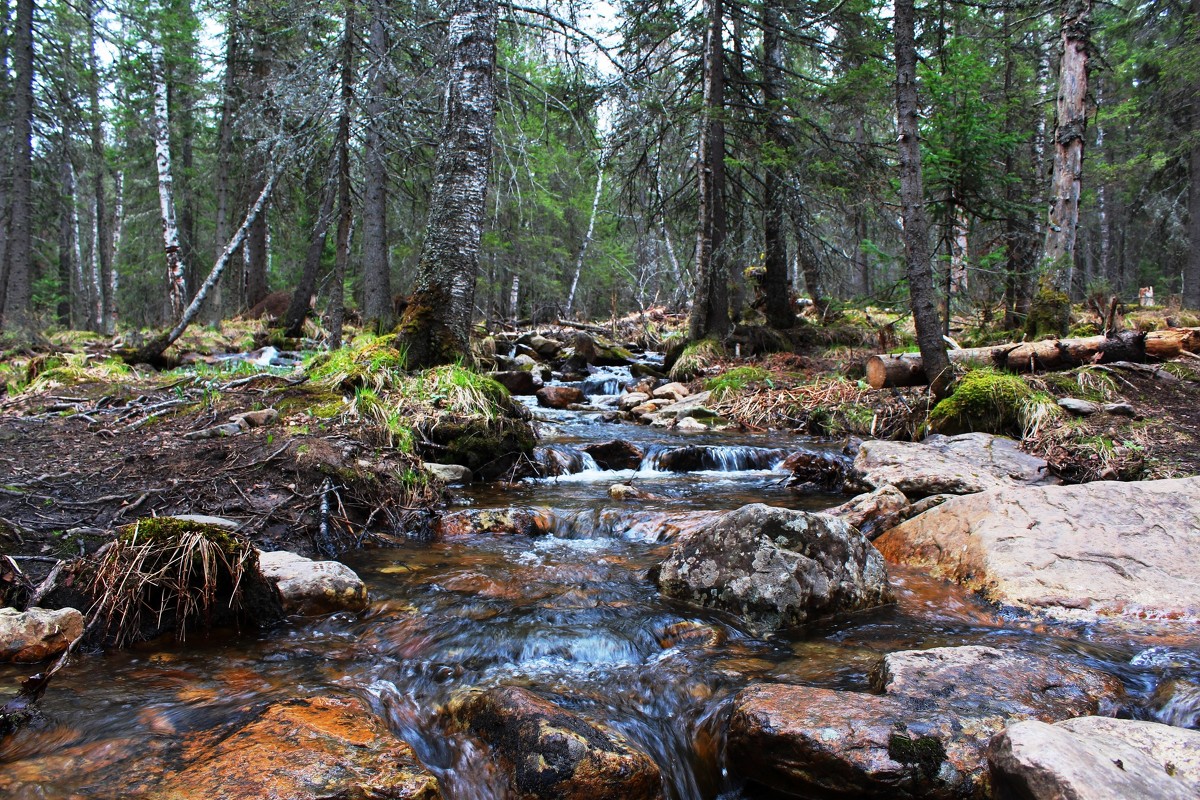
x=1177, y=702
x=609, y=382
x=561, y=459
x=717, y=458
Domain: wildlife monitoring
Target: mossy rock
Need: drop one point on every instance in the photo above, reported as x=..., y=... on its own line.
x=488, y=448
x=695, y=358
x=984, y=400
x=1049, y=313
x=167, y=532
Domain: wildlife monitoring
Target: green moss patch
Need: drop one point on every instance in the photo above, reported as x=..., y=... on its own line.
x=695, y=358
x=992, y=402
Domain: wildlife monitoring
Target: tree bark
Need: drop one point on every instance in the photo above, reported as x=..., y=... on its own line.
x=587, y=238
x=922, y=296
x=376, y=269
x=710, y=306
x=337, y=300
x=256, y=255
x=777, y=301
x=176, y=270
x=302, y=298
x=102, y=254
x=1069, y=128
x=436, y=325
x=1191, y=276
x=15, y=286
x=225, y=149
x=73, y=298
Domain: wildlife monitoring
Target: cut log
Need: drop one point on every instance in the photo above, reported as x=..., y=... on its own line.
x=906, y=369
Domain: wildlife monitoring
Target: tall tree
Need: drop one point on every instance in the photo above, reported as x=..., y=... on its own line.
x=337, y=305
x=774, y=286
x=1191, y=277
x=176, y=269
x=102, y=253
x=437, y=322
x=1070, y=124
x=16, y=274
x=376, y=266
x=921, y=292
x=710, y=306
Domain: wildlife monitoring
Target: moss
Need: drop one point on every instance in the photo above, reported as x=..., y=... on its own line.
x=984, y=400
x=167, y=531
x=924, y=754
x=735, y=380
x=371, y=361
x=695, y=358
x=1049, y=312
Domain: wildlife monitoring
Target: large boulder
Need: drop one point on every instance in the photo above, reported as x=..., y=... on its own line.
x=310, y=587
x=559, y=396
x=548, y=753
x=517, y=381
x=616, y=454
x=474, y=521
x=37, y=633
x=875, y=512
x=972, y=462
x=1096, y=758
x=926, y=736
x=304, y=750
x=776, y=567
x=1105, y=549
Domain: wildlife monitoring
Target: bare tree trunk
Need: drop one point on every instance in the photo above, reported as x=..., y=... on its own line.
x=376, y=269
x=1191, y=276
x=1069, y=128
x=70, y=301
x=102, y=262
x=114, y=277
x=302, y=297
x=912, y=200
x=337, y=300
x=437, y=323
x=152, y=351
x=15, y=286
x=777, y=305
x=176, y=270
x=257, y=246
x=587, y=239
x=225, y=150
x=710, y=306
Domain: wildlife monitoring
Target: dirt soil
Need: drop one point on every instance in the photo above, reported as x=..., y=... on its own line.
x=76, y=462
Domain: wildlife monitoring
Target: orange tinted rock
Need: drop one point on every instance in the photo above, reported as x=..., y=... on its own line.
x=312, y=748
x=523, y=521
x=558, y=396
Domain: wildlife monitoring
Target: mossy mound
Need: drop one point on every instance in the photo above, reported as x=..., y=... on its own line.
x=1049, y=313
x=991, y=402
x=371, y=361
x=695, y=358
x=736, y=380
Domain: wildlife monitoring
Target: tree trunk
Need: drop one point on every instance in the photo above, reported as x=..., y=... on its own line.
x=774, y=286
x=437, y=322
x=225, y=150
x=922, y=296
x=1191, y=276
x=587, y=239
x=15, y=282
x=256, y=254
x=710, y=306
x=337, y=300
x=73, y=296
x=302, y=297
x=176, y=271
x=102, y=254
x=376, y=269
x=1069, y=128
x=153, y=350
x=114, y=276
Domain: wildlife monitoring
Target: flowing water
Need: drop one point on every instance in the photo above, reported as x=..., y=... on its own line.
x=571, y=616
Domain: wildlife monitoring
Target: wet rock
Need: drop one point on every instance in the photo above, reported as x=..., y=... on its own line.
x=926, y=737
x=875, y=512
x=1105, y=549
x=616, y=454
x=690, y=424
x=648, y=409
x=549, y=753
x=521, y=521
x=926, y=503
x=323, y=747
x=603, y=383
x=822, y=468
x=671, y=391
x=627, y=491
x=775, y=567
x=545, y=348
x=559, y=396
x=450, y=473
x=1081, y=408
x=256, y=419
x=690, y=406
x=972, y=462
x=37, y=634
x=517, y=381
x=691, y=458
x=1096, y=758
x=310, y=587
x=631, y=400
x=1176, y=701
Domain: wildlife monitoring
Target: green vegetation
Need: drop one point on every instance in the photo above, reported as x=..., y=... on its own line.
x=695, y=358
x=735, y=380
x=993, y=402
x=370, y=361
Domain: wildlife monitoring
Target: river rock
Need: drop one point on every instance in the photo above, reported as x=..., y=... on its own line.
x=548, y=753
x=37, y=634
x=927, y=736
x=616, y=454
x=627, y=491
x=450, y=473
x=821, y=468
x=545, y=348
x=674, y=392
x=691, y=406
x=1082, y=408
x=690, y=425
x=517, y=381
x=559, y=396
x=521, y=521
x=1096, y=758
x=972, y=462
x=310, y=587
x=1104, y=549
x=631, y=400
x=305, y=749
x=875, y=512
x=776, y=567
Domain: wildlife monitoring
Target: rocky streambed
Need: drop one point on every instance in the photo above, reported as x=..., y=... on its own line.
x=699, y=633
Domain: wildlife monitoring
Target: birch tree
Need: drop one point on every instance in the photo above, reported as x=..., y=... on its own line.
x=176, y=270
x=436, y=325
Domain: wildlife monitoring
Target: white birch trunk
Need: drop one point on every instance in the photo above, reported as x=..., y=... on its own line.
x=176, y=282
x=118, y=228
x=587, y=238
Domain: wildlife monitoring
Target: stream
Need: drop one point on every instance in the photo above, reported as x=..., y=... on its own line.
x=571, y=616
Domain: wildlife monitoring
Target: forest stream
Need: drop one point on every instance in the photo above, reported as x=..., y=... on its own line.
x=571, y=616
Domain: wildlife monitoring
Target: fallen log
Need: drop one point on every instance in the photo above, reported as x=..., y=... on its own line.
x=906, y=369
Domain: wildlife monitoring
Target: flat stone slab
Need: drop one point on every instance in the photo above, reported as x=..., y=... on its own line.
x=1096, y=550
x=310, y=587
